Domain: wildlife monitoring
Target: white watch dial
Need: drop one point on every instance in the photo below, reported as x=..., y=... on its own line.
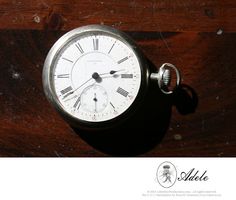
x=96, y=77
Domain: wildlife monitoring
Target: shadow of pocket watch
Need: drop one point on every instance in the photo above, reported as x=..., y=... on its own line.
x=97, y=78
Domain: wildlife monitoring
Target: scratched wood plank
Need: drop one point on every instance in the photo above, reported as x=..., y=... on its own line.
x=29, y=126
x=135, y=15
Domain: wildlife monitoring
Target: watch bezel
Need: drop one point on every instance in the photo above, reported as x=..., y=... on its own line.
x=48, y=84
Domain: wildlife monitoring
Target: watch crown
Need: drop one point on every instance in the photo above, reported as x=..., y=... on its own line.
x=166, y=77
x=163, y=78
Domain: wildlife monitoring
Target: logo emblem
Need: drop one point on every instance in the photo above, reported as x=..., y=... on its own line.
x=166, y=174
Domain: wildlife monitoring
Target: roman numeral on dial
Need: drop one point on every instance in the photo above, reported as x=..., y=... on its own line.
x=76, y=103
x=63, y=76
x=112, y=105
x=126, y=75
x=68, y=89
x=122, y=92
x=68, y=60
x=79, y=47
x=112, y=47
x=95, y=44
x=122, y=60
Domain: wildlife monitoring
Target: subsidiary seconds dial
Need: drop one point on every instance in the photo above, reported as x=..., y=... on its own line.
x=94, y=99
x=96, y=76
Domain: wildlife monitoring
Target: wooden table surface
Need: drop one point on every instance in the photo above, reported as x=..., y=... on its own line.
x=199, y=37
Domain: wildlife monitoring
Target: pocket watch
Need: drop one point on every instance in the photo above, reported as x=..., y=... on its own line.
x=96, y=77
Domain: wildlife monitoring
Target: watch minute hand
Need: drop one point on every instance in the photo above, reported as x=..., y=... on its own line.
x=83, y=84
x=76, y=88
x=71, y=98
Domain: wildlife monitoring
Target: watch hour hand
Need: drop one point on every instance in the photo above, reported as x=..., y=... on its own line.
x=112, y=72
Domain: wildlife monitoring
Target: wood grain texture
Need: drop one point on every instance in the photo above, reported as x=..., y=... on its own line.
x=180, y=32
x=134, y=15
